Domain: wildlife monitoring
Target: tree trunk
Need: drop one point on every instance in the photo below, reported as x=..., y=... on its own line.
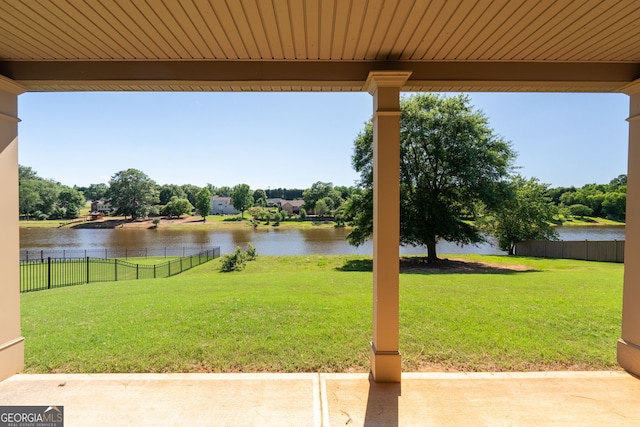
x=431, y=252
x=512, y=249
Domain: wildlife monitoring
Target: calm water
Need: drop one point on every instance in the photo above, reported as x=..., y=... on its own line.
x=268, y=240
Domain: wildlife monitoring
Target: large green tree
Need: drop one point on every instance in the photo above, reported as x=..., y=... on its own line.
x=203, y=203
x=260, y=198
x=70, y=201
x=132, y=192
x=242, y=197
x=168, y=191
x=451, y=163
x=191, y=190
x=177, y=207
x=322, y=191
x=524, y=213
x=94, y=191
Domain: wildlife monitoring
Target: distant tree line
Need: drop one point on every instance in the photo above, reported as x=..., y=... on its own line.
x=134, y=194
x=457, y=183
x=45, y=198
x=597, y=200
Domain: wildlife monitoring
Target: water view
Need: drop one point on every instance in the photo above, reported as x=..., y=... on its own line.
x=268, y=240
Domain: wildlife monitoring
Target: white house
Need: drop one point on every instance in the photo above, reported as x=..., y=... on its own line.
x=222, y=206
x=101, y=205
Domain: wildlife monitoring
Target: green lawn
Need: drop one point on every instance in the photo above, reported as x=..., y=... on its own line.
x=307, y=314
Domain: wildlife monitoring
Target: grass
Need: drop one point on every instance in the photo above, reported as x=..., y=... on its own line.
x=307, y=314
x=591, y=221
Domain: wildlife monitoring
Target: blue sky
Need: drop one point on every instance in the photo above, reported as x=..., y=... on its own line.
x=291, y=140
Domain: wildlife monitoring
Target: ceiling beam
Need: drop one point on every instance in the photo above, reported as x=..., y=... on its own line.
x=322, y=75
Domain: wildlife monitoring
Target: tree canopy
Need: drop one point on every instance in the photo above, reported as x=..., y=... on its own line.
x=203, y=203
x=132, y=192
x=94, y=191
x=451, y=164
x=70, y=201
x=322, y=191
x=177, y=207
x=45, y=198
x=525, y=213
x=168, y=191
x=242, y=198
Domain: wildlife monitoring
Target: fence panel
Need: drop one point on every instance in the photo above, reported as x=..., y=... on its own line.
x=590, y=250
x=48, y=273
x=43, y=254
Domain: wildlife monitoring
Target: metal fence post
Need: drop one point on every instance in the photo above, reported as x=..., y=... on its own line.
x=48, y=272
x=137, y=271
x=115, y=269
x=87, y=269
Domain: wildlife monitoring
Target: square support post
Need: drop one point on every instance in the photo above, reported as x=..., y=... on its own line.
x=629, y=344
x=385, y=87
x=11, y=342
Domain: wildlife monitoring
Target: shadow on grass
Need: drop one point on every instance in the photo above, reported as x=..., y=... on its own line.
x=420, y=265
x=357, y=265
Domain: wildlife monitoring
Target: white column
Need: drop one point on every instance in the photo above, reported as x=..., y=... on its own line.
x=385, y=87
x=11, y=342
x=629, y=344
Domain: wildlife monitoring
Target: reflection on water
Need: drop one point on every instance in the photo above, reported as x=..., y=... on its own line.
x=268, y=240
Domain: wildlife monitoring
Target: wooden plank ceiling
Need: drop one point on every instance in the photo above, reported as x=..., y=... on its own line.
x=319, y=44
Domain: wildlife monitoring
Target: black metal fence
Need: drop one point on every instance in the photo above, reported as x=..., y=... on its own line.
x=49, y=273
x=43, y=254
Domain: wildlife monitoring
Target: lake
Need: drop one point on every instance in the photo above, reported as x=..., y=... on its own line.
x=267, y=240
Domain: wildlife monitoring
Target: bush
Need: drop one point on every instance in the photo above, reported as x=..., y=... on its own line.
x=234, y=262
x=252, y=254
x=237, y=261
x=580, y=210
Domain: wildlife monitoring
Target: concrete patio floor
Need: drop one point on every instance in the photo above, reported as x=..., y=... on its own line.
x=423, y=399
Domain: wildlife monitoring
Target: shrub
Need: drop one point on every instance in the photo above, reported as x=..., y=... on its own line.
x=251, y=254
x=234, y=262
x=237, y=261
x=580, y=210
